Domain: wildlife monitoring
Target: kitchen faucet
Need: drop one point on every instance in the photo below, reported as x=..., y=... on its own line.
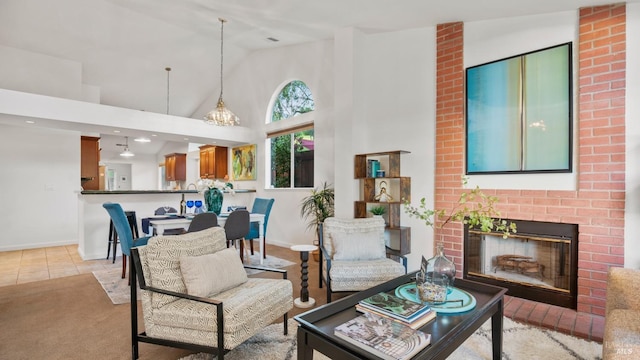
x=194, y=186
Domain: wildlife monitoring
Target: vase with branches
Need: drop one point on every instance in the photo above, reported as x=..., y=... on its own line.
x=474, y=209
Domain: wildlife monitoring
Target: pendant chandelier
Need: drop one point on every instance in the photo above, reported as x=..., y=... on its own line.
x=221, y=116
x=126, y=152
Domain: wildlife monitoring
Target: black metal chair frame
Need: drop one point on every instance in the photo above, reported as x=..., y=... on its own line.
x=325, y=254
x=113, y=234
x=135, y=271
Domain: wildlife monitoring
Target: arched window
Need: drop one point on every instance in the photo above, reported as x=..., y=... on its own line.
x=292, y=148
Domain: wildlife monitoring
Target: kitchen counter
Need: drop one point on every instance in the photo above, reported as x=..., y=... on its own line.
x=93, y=219
x=137, y=192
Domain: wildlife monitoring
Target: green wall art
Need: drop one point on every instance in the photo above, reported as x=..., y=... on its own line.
x=243, y=162
x=519, y=113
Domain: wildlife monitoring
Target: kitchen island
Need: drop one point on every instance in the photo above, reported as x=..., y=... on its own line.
x=93, y=219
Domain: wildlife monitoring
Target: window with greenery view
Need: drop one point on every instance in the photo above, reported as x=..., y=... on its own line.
x=292, y=152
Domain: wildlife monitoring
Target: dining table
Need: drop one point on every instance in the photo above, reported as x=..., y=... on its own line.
x=160, y=225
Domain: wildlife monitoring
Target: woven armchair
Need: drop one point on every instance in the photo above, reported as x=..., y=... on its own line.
x=174, y=273
x=353, y=255
x=622, y=317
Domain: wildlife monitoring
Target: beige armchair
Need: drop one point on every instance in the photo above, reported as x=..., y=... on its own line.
x=622, y=318
x=353, y=255
x=195, y=294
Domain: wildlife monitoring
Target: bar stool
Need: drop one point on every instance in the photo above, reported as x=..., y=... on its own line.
x=113, y=235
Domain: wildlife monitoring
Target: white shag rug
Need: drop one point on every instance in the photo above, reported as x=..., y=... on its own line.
x=520, y=342
x=119, y=292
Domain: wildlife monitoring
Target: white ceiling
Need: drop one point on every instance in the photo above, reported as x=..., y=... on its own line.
x=124, y=46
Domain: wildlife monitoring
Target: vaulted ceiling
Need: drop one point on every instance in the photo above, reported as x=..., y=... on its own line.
x=124, y=46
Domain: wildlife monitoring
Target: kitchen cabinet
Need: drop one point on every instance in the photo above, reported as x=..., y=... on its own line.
x=175, y=167
x=389, y=190
x=213, y=162
x=89, y=162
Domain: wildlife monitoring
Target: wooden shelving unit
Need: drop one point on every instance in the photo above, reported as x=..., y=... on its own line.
x=397, y=188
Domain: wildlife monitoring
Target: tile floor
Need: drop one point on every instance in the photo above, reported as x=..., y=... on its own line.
x=22, y=266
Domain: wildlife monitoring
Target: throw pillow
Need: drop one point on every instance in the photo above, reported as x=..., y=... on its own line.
x=358, y=246
x=211, y=274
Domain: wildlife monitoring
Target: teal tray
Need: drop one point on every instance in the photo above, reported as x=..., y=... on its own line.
x=408, y=291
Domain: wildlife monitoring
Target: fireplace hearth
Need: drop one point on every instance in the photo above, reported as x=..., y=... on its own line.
x=539, y=262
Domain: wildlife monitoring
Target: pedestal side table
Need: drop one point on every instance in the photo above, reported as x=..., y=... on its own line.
x=304, y=301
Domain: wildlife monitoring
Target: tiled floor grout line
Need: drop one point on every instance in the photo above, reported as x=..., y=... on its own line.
x=50, y=263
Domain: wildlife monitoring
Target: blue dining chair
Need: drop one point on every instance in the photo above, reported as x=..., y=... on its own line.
x=260, y=206
x=123, y=230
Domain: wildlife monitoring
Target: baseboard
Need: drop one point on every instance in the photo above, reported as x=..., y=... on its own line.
x=23, y=246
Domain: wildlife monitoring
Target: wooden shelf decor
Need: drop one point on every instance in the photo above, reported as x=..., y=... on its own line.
x=388, y=190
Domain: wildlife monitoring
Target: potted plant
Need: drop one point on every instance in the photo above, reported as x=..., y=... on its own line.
x=378, y=210
x=316, y=207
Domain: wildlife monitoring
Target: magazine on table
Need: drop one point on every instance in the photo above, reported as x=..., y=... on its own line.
x=414, y=324
x=385, y=338
x=394, y=306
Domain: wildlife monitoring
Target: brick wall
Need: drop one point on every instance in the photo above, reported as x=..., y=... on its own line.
x=598, y=204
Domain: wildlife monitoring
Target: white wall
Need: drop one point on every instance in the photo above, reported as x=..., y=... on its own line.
x=397, y=88
x=40, y=172
x=249, y=89
x=632, y=176
x=144, y=169
x=42, y=74
x=485, y=41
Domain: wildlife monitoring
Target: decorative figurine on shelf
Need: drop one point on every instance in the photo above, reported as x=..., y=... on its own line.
x=383, y=196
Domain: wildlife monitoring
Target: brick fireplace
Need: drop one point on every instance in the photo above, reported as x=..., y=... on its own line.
x=597, y=204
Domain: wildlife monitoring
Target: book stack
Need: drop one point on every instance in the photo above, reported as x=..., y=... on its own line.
x=407, y=312
x=372, y=167
x=382, y=337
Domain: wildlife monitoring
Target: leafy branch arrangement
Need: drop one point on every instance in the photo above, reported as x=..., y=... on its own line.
x=474, y=208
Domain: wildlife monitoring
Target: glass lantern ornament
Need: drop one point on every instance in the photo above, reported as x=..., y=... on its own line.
x=431, y=289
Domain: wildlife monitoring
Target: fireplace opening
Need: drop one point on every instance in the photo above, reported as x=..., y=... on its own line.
x=539, y=262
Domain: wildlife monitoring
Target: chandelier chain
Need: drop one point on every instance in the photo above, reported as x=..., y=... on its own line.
x=168, y=71
x=222, y=21
x=221, y=116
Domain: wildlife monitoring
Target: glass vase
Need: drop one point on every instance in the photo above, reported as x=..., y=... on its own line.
x=441, y=266
x=433, y=284
x=213, y=200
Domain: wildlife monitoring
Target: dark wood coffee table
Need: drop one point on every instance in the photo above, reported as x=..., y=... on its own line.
x=448, y=331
